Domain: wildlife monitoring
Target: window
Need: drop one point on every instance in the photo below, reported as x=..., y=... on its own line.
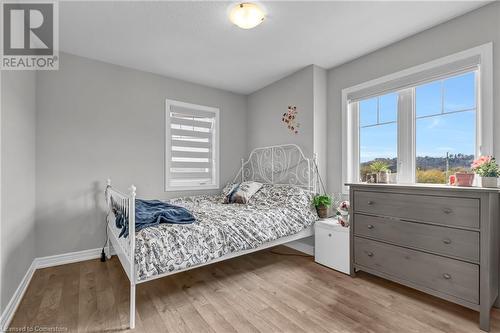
x=424, y=123
x=192, y=147
x=444, y=122
x=378, y=136
x=445, y=127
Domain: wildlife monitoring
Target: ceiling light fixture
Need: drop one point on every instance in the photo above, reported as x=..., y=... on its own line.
x=247, y=15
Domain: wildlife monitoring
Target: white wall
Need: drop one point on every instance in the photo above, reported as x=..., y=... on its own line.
x=473, y=29
x=17, y=179
x=96, y=120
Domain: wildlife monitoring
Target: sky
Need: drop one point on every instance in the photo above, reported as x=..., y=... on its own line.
x=441, y=126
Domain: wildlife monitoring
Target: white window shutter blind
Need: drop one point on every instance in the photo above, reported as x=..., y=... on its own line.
x=452, y=68
x=192, y=146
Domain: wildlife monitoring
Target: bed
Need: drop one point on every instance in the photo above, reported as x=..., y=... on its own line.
x=280, y=212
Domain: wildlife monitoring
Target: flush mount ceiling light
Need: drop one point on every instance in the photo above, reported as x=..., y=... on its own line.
x=246, y=15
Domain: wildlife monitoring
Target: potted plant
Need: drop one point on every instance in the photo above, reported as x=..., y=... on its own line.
x=381, y=171
x=464, y=178
x=487, y=169
x=322, y=202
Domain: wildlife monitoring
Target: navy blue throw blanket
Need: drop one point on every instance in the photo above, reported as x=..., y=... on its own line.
x=150, y=213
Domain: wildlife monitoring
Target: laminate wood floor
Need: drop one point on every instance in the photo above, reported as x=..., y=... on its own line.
x=260, y=292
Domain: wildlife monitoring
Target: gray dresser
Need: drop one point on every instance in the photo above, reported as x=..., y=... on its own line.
x=438, y=239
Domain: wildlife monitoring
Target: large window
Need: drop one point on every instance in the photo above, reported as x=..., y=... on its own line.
x=423, y=123
x=192, y=146
x=442, y=113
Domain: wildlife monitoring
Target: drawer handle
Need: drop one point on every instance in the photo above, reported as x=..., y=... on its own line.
x=447, y=241
x=329, y=235
x=446, y=276
x=369, y=254
x=370, y=226
x=370, y=202
x=447, y=210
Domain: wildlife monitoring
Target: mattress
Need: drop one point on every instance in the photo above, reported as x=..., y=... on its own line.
x=273, y=212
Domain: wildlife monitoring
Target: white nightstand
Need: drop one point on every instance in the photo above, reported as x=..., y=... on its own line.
x=331, y=245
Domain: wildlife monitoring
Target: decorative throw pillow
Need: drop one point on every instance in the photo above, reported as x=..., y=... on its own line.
x=244, y=192
x=228, y=191
x=229, y=188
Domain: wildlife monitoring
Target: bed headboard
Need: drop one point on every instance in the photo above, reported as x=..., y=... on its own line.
x=280, y=165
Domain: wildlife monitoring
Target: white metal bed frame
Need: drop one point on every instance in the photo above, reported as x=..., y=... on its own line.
x=278, y=165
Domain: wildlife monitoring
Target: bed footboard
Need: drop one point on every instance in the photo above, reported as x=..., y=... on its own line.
x=123, y=247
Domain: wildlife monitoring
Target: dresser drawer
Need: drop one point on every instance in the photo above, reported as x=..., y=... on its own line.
x=458, y=243
x=463, y=212
x=449, y=276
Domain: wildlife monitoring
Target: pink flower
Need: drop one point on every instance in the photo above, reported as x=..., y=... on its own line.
x=480, y=161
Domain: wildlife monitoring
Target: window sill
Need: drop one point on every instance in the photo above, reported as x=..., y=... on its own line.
x=427, y=186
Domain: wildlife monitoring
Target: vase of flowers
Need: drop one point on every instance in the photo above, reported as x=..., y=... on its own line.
x=487, y=169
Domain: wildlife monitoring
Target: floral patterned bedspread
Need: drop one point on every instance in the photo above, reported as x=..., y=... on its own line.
x=272, y=213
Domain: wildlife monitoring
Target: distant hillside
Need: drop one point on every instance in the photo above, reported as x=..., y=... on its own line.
x=455, y=161
x=429, y=162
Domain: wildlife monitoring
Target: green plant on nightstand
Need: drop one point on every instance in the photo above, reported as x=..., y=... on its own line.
x=322, y=202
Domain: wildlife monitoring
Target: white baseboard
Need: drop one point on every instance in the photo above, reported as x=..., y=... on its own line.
x=67, y=258
x=301, y=247
x=42, y=262
x=15, y=300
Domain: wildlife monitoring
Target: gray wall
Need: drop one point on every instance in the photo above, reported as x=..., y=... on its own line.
x=307, y=90
x=96, y=120
x=17, y=179
x=320, y=125
x=267, y=105
x=473, y=29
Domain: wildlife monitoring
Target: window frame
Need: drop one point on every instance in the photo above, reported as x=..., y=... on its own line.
x=215, y=147
x=406, y=127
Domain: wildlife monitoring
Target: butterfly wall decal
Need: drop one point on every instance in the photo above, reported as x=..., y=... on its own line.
x=289, y=119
